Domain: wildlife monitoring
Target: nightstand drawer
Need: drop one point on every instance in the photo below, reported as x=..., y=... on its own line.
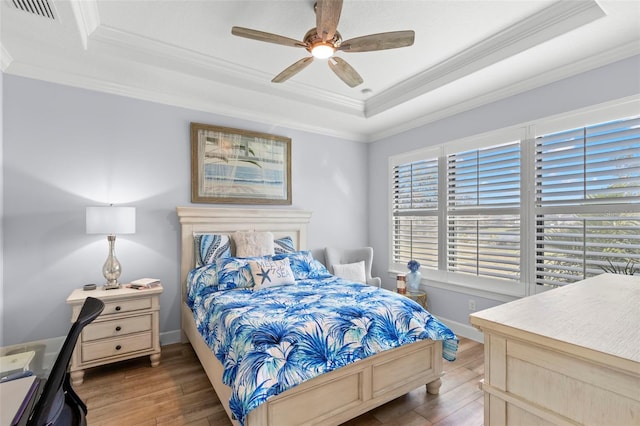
x=116, y=327
x=122, y=306
x=116, y=347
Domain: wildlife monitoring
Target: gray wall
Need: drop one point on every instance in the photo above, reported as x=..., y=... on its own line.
x=67, y=148
x=1, y=208
x=608, y=83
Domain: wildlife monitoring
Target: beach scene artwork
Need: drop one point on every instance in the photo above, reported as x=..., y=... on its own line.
x=234, y=166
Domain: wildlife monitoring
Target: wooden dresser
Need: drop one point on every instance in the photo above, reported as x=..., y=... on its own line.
x=565, y=357
x=127, y=328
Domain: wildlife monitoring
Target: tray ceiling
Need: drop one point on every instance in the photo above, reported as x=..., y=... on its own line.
x=181, y=52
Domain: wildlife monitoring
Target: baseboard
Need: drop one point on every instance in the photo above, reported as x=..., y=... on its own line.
x=463, y=330
x=170, y=337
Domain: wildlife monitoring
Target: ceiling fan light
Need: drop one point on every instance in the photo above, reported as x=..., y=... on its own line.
x=322, y=51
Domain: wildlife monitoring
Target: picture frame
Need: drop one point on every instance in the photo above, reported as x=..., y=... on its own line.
x=234, y=166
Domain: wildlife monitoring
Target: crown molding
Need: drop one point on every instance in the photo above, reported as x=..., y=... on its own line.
x=5, y=58
x=557, y=19
x=179, y=93
x=265, y=117
x=189, y=62
x=87, y=18
x=623, y=52
x=146, y=50
x=193, y=80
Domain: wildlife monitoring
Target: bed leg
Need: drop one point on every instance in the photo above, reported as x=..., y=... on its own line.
x=434, y=387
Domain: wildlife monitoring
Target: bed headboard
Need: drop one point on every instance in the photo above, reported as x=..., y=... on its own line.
x=281, y=223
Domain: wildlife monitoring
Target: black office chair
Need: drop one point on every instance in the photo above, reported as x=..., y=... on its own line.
x=58, y=404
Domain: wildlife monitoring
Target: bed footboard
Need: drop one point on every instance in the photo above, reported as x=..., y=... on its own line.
x=343, y=394
x=340, y=395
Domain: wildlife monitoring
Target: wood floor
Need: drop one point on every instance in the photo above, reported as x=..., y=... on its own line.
x=177, y=392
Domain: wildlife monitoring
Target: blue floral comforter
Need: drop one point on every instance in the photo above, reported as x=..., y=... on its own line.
x=271, y=340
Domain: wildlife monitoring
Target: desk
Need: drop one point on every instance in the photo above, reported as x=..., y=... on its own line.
x=35, y=357
x=16, y=362
x=17, y=399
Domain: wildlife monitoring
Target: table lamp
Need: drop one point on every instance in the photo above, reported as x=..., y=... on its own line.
x=111, y=221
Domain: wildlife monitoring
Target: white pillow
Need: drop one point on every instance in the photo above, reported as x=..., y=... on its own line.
x=270, y=273
x=252, y=244
x=351, y=272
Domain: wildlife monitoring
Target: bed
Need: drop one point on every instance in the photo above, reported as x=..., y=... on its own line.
x=330, y=398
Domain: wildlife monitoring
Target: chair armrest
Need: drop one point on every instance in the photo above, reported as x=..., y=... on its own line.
x=375, y=281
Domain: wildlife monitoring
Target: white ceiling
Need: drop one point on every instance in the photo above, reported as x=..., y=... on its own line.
x=181, y=52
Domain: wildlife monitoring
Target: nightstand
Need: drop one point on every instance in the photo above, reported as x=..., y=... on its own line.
x=128, y=327
x=418, y=296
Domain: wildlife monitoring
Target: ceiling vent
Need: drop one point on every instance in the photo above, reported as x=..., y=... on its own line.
x=42, y=8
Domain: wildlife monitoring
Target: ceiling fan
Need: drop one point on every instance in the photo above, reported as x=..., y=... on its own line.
x=324, y=40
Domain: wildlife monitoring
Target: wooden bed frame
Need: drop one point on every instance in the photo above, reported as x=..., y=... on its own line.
x=332, y=398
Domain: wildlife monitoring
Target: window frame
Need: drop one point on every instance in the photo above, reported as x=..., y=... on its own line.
x=526, y=134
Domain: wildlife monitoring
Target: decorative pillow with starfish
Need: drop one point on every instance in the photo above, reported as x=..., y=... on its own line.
x=268, y=273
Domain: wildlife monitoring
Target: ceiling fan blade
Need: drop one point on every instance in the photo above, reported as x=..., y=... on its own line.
x=268, y=37
x=345, y=71
x=381, y=41
x=327, y=17
x=292, y=70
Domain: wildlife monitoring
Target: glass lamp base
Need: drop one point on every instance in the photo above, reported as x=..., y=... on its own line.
x=413, y=281
x=111, y=269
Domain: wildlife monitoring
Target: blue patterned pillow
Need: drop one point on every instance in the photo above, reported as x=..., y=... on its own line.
x=283, y=245
x=210, y=247
x=304, y=266
x=204, y=277
x=234, y=272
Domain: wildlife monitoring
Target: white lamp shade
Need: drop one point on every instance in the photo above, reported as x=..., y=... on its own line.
x=111, y=220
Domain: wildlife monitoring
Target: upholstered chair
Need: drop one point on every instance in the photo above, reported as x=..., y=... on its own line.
x=338, y=256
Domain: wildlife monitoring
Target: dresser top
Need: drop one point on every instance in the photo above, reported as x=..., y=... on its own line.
x=600, y=315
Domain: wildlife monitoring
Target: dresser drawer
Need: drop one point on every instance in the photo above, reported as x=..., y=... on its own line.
x=115, y=347
x=118, y=307
x=116, y=327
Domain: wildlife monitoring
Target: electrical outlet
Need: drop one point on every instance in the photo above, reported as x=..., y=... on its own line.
x=472, y=305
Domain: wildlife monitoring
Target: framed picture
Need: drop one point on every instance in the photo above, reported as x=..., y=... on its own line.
x=239, y=167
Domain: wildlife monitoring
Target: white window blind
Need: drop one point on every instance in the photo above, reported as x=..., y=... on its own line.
x=587, y=204
x=546, y=210
x=483, y=212
x=415, y=212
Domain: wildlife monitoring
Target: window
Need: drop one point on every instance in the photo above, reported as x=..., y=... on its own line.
x=415, y=212
x=587, y=201
x=549, y=209
x=483, y=205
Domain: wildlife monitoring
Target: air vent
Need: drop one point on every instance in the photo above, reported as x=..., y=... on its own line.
x=42, y=8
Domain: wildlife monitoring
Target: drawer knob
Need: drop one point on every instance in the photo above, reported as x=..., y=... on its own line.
x=118, y=308
x=118, y=347
x=118, y=328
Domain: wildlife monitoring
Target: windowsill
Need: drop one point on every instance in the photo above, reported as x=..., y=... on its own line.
x=465, y=285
